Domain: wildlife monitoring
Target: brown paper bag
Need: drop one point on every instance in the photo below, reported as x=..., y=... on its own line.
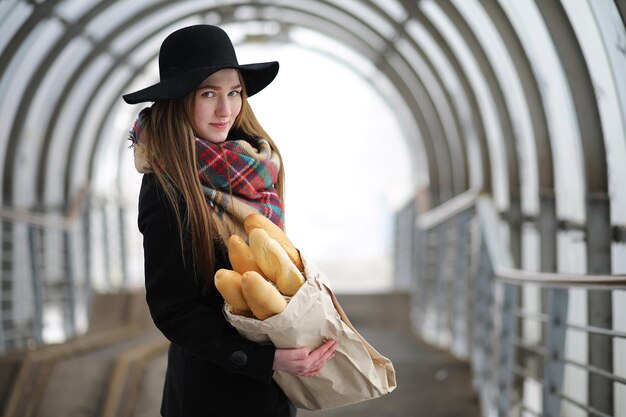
x=313, y=315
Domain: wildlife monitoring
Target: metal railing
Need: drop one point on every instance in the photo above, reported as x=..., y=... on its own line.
x=51, y=264
x=515, y=327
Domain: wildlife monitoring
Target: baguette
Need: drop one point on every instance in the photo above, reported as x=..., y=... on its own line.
x=258, y=221
x=228, y=283
x=262, y=297
x=274, y=262
x=240, y=255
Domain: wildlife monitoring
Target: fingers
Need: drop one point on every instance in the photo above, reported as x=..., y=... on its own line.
x=327, y=347
x=303, y=361
x=322, y=354
x=318, y=358
x=316, y=371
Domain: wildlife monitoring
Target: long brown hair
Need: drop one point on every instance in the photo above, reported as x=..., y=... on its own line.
x=170, y=144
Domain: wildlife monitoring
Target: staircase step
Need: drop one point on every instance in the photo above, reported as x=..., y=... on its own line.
x=31, y=380
x=128, y=376
x=148, y=402
x=40, y=375
x=81, y=385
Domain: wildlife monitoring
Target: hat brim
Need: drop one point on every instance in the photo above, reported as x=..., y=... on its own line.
x=255, y=76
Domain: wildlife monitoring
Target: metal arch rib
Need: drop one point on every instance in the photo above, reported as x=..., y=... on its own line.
x=29, y=94
x=467, y=88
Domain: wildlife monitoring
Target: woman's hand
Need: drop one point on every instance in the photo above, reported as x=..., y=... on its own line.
x=303, y=361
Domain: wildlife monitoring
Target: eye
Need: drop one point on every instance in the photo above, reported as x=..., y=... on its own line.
x=208, y=94
x=234, y=93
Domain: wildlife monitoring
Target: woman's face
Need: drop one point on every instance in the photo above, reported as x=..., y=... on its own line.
x=217, y=104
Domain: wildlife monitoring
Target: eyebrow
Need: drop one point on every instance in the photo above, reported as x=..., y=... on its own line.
x=217, y=87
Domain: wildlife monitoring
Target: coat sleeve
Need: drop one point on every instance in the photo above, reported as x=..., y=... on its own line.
x=175, y=301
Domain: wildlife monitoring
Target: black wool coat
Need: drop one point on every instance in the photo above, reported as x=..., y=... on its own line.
x=212, y=370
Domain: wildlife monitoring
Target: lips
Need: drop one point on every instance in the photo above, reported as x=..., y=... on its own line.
x=219, y=125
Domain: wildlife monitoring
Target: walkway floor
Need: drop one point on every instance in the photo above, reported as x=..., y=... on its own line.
x=430, y=382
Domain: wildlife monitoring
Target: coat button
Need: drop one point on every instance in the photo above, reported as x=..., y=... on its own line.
x=239, y=358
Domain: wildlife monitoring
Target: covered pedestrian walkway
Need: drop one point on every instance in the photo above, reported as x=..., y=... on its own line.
x=496, y=182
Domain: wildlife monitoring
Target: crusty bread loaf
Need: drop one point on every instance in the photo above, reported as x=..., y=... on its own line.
x=290, y=280
x=274, y=262
x=258, y=221
x=260, y=244
x=262, y=297
x=228, y=283
x=240, y=255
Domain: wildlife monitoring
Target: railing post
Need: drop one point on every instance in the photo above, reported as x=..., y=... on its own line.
x=460, y=299
x=429, y=275
x=553, y=367
x=477, y=348
x=105, y=246
x=548, y=231
x=424, y=279
x=405, y=252
x=415, y=246
x=489, y=316
x=86, y=231
x=440, y=284
x=70, y=328
x=449, y=278
x=599, y=303
x=417, y=302
x=482, y=350
x=506, y=355
x=34, y=243
x=475, y=260
x=122, y=240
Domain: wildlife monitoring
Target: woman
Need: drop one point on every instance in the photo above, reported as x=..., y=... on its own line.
x=208, y=163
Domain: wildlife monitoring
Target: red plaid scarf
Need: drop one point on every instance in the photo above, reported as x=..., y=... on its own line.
x=245, y=170
x=248, y=171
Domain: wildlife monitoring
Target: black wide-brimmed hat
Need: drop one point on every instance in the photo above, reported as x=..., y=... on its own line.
x=190, y=55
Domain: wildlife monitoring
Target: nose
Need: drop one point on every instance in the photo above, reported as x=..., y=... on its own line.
x=223, y=108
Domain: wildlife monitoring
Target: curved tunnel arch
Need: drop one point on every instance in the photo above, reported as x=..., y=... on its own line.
x=98, y=49
x=439, y=138
x=445, y=167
